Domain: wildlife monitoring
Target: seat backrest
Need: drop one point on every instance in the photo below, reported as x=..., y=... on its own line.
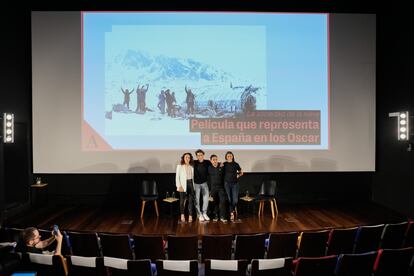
x=341, y=241
x=268, y=188
x=148, y=188
x=183, y=247
x=177, y=268
x=3, y=234
x=312, y=266
x=282, y=245
x=356, y=264
x=313, y=243
x=119, y=266
x=393, y=235
x=116, y=245
x=368, y=238
x=85, y=266
x=45, y=265
x=272, y=267
x=249, y=247
x=394, y=261
x=12, y=234
x=84, y=244
x=210, y=244
x=225, y=267
x=148, y=247
x=140, y=267
x=409, y=235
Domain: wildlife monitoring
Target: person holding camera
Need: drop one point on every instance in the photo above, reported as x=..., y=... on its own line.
x=30, y=241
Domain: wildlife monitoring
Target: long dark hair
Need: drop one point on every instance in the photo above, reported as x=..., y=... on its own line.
x=191, y=158
x=229, y=152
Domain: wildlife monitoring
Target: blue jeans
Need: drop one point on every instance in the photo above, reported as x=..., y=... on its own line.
x=203, y=188
x=232, y=190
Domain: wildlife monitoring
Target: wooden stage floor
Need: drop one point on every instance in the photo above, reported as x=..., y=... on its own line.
x=126, y=220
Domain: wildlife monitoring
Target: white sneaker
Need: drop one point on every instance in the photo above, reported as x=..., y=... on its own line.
x=201, y=218
x=206, y=217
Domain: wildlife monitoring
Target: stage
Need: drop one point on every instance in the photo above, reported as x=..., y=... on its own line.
x=127, y=220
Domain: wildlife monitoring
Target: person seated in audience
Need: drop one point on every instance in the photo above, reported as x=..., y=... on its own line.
x=30, y=242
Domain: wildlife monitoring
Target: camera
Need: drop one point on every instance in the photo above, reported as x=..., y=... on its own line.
x=55, y=230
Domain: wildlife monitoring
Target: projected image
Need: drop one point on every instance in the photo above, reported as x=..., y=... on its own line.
x=159, y=85
x=211, y=80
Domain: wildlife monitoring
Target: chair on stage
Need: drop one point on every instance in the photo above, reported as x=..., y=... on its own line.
x=356, y=264
x=368, y=238
x=409, y=235
x=84, y=244
x=282, y=245
x=148, y=192
x=116, y=245
x=44, y=265
x=393, y=235
x=124, y=267
x=149, y=247
x=248, y=247
x=271, y=267
x=267, y=193
x=210, y=244
x=341, y=241
x=225, y=267
x=183, y=247
x=313, y=243
x=86, y=266
x=316, y=266
x=177, y=268
x=392, y=262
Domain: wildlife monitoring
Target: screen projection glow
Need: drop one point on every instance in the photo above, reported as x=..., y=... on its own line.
x=212, y=80
x=131, y=91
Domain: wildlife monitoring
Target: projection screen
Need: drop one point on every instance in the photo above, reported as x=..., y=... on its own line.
x=117, y=92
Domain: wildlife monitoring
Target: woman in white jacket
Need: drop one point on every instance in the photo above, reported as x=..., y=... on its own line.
x=184, y=181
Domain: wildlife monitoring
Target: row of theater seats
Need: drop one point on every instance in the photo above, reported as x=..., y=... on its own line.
x=384, y=262
x=254, y=246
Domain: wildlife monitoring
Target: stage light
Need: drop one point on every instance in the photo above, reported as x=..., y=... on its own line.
x=8, y=128
x=403, y=126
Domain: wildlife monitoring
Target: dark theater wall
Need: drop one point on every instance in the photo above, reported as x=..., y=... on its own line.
x=393, y=182
x=391, y=185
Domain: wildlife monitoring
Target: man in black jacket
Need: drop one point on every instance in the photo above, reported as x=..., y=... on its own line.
x=215, y=172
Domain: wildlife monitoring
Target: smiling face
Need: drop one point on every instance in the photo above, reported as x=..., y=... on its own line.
x=187, y=159
x=229, y=157
x=200, y=156
x=214, y=161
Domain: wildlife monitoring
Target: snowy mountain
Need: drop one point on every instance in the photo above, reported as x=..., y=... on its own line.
x=130, y=68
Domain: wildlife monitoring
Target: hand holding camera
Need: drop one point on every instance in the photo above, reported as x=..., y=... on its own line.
x=56, y=233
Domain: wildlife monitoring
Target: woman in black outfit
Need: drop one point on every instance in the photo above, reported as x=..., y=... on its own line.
x=232, y=172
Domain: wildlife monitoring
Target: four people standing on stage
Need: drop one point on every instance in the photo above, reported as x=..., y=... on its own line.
x=194, y=178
